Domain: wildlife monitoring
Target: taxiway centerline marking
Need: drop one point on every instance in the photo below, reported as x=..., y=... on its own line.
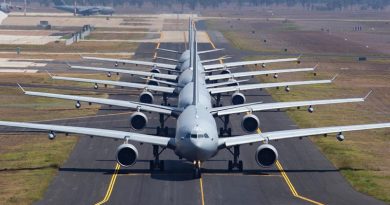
x=110, y=186
x=201, y=190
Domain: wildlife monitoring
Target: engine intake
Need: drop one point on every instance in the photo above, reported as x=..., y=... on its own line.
x=138, y=121
x=250, y=123
x=146, y=97
x=126, y=155
x=266, y=155
x=226, y=72
x=238, y=98
x=155, y=70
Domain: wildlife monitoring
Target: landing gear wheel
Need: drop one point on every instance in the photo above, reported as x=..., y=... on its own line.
x=240, y=166
x=229, y=132
x=230, y=165
x=158, y=130
x=166, y=131
x=196, y=173
x=151, y=165
x=162, y=165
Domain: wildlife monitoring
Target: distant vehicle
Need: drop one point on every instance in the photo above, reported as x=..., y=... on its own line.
x=83, y=10
x=8, y=7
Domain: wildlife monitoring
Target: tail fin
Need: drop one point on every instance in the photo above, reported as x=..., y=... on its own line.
x=59, y=2
x=195, y=70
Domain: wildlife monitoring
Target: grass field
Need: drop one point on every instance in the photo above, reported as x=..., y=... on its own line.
x=26, y=171
x=363, y=156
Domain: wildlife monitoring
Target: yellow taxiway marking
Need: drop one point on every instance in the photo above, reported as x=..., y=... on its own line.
x=213, y=45
x=158, y=45
x=201, y=190
x=291, y=186
x=288, y=182
x=110, y=186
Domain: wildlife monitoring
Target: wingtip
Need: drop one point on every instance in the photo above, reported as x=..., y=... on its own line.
x=334, y=78
x=24, y=91
x=368, y=94
x=49, y=73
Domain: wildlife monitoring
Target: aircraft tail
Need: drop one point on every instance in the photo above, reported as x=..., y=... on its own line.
x=195, y=69
x=59, y=2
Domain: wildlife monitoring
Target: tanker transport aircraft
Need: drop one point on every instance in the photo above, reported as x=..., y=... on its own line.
x=196, y=138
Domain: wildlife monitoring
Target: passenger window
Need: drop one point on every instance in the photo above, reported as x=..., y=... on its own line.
x=206, y=136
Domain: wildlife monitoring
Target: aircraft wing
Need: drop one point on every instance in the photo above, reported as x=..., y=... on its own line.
x=278, y=105
x=286, y=134
x=131, y=72
x=243, y=63
x=254, y=73
x=113, y=134
x=135, y=62
x=121, y=103
x=210, y=51
x=264, y=85
x=229, y=82
x=119, y=83
x=168, y=50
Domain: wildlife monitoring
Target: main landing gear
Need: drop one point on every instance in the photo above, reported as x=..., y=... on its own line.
x=235, y=163
x=156, y=163
x=196, y=172
x=225, y=130
x=162, y=130
x=218, y=100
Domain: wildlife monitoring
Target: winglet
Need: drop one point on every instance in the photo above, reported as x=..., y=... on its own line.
x=368, y=94
x=21, y=88
x=316, y=66
x=334, y=78
x=68, y=64
x=49, y=73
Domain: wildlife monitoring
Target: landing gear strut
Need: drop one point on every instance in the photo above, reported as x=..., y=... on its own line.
x=162, y=130
x=235, y=163
x=156, y=163
x=225, y=130
x=218, y=100
x=196, y=172
x=165, y=99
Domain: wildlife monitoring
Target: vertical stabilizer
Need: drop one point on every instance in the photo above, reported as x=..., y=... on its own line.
x=195, y=69
x=190, y=41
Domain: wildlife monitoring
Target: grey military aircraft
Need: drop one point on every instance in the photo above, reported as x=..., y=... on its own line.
x=196, y=138
x=8, y=7
x=83, y=10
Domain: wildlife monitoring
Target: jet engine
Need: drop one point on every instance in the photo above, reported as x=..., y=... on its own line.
x=146, y=97
x=152, y=82
x=238, y=98
x=226, y=72
x=266, y=155
x=138, y=120
x=250, y=123
x=126, y=155
x=155, y=70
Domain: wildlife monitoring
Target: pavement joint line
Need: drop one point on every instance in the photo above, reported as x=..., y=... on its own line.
x=201, y=190
x=110, y=186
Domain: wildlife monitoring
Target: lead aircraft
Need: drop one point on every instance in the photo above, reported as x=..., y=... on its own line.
x=196, y=138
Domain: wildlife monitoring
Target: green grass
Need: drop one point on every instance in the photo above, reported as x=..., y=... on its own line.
x=363, y=157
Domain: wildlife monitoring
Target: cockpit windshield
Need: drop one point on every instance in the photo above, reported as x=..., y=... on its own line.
x=197, y=136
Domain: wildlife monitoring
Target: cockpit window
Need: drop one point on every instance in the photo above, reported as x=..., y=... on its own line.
x=206, y=136
x=194, y=136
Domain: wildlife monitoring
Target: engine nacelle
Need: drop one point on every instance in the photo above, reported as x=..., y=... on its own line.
x=310, y=109
x=138, y=121
x=153, y=82
x=126, y=155
x=238, y=98
x=226, y=72
x=250, y=123
x=146, y=97
x=77, y=105
x=96, y=86
x=51, y=136
x=155, y=70
x=109, y=74
x=266, y=155
x=287, y=89
x=340, y=137
x=276, y=75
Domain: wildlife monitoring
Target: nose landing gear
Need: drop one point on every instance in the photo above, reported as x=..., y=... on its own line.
x=197, y=170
